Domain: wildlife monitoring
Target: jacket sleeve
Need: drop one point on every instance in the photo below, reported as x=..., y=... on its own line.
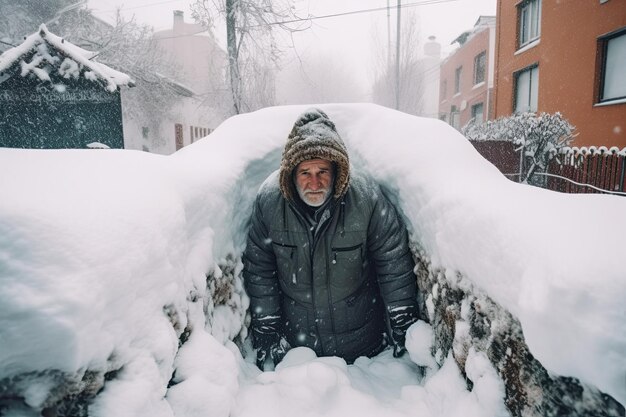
x=259, y=272
x=388, y=247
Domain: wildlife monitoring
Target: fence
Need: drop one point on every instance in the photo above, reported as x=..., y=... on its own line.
x=197, y=132
x=588, y=170
x=500, y=153
x=573, y=170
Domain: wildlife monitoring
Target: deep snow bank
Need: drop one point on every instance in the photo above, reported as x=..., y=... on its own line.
x=99, y=250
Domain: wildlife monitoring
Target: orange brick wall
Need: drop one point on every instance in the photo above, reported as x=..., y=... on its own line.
x=471, y=95
x=566, y=55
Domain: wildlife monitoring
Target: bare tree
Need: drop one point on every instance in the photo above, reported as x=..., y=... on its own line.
x=253, y=53
x=22, y=18
x=407, y=92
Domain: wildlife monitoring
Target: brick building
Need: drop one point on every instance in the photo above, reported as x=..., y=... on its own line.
x=467, y=76
x=568, y=57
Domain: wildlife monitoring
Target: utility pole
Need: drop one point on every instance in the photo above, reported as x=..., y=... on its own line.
x=398, y=59
x=233, y=55
x=388, y=36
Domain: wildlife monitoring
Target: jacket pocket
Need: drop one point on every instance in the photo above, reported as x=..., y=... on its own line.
x=348, y=254
x=286, y=261
x=346, y=266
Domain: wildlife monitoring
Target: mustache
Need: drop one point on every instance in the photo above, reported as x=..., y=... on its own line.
x=319, y=190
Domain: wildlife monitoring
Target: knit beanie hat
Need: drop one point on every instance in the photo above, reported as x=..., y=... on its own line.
x=314, y=137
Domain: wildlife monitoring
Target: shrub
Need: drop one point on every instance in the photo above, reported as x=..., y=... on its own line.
x=538, y=136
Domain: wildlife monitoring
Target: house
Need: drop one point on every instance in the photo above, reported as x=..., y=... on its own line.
x=567, y=57
x=199, y=81
x=194, y=49
x=467, y=76
x=54, y=94
x=165, y=111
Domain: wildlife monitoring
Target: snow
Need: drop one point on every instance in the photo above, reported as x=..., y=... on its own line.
x=76, y=60
x=592, y=150
x=100, y=252
x=97, y=145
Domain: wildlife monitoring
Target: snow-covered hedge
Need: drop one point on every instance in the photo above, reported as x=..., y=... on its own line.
x=539, y=136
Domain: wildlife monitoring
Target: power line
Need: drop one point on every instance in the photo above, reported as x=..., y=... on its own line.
x=421, y=3
x=302, y=19
x=7, y=43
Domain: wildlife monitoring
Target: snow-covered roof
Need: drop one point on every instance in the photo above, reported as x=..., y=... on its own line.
x=177, y=86
x=34, y=55
x=483, y=22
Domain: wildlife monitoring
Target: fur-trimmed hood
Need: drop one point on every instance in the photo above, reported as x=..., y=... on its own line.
x=314, y=136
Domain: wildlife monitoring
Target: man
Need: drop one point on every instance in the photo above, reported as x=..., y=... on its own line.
x=327, y=263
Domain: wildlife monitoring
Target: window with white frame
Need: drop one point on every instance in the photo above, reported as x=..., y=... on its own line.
x=613, y=75
x=480, y=62
x=529, y=21
x=455, y=118
x=457, y=80
x=478, y=113
x=526, y=90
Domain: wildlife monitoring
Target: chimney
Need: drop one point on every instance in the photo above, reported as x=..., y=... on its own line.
x=179, y=21
x=432, y=48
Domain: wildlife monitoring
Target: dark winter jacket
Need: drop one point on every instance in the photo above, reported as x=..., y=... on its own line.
x=331, y=276
x=331, y=287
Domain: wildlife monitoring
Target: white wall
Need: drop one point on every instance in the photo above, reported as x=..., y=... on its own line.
x=201, y=64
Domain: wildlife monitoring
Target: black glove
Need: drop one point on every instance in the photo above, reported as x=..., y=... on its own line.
x=266, y=338
x=400, y=319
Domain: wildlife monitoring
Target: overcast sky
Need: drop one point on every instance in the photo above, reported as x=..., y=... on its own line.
x=348, y=38
x=444, y=19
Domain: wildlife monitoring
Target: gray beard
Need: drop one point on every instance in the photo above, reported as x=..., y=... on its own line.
x=302, y=195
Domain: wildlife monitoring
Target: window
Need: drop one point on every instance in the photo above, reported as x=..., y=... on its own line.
x=455, y=118
x=145, y=131
x=529, y=21
x=526, y=90
x=612, y=76
x=457, y=80
x=478, y=113
x=480, y=62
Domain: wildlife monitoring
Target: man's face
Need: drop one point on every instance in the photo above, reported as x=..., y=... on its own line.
x=314, y=181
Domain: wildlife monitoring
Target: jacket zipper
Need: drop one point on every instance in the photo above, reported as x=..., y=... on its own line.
x=312, y=243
